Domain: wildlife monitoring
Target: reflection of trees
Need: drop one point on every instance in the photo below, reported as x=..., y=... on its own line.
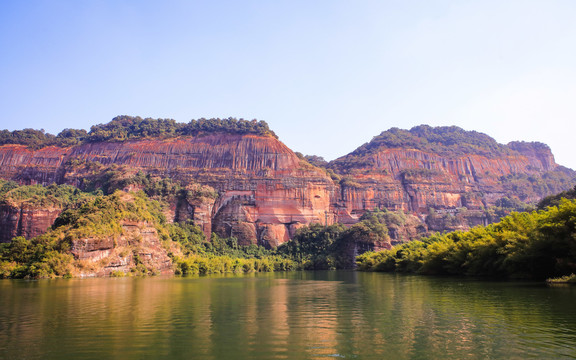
x=284, y=316
x=459, y=318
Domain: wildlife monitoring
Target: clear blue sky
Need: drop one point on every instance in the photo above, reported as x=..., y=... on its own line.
x=327, y=75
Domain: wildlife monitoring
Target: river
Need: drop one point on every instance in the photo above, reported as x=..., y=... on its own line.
x=297, y=315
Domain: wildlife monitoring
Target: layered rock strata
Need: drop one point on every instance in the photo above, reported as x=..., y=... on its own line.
x=137, y=249
x=25, y=220
x=265, y=191
x=416, y=181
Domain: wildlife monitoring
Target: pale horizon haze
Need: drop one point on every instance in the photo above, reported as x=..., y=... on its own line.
x=326, y=75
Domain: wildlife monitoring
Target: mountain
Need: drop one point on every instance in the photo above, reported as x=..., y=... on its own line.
x=264, y=192
x=451, y=178
x=237, y=179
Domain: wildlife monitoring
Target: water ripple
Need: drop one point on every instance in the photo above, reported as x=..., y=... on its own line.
x=285, y=316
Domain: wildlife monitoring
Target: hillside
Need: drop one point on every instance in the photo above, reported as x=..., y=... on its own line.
x=263, y=191
x=235, y=178
x=451, y=177
x=528, y=245
x=121, y=234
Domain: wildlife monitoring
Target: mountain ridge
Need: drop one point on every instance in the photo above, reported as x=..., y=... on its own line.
x=265, y=191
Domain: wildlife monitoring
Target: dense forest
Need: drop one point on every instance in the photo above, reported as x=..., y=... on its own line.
x=531, y=245
x=131, y=128
x=97, y=215
x=100, y=213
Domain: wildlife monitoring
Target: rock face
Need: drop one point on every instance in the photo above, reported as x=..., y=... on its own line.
x=25, y=220
x=417, y=181
x=198, y=210
x=139, y=246
x=413, y=180
x=265, y=191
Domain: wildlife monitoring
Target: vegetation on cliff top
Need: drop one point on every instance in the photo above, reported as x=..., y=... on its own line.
x=447, y=141
x=443, y=140
x=39, y=196
x=534, y=245
x=125, y=127
x=37, y=139
x=128, y=127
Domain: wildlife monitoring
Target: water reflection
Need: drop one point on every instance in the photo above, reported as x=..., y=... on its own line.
x=301, y=315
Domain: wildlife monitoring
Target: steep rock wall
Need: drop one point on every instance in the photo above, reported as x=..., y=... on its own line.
x=414, y=181
x=25, y=220
x=265, y=190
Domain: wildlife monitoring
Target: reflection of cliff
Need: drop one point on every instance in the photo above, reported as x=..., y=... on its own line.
x=300, y=315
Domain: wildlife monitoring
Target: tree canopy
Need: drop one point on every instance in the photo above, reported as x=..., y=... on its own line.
x=448, y=141
x=126, y=127
x=535, y=245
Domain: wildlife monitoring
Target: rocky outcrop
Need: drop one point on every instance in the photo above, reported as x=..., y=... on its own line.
x=535, y=151
x=25, y=220
x=138, y=249
x=265, y=190
x=416, y=181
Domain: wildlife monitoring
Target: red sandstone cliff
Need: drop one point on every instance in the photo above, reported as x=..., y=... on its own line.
x=138, y=246
x=415, y=180
x=25, y=220
x=265, y=190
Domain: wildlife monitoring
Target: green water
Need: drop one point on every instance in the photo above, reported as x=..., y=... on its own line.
x=300, y=315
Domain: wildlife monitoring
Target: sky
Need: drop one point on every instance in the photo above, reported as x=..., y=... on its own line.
x=326, y=75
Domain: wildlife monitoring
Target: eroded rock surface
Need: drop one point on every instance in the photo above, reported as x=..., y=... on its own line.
x=265, y=190
x=25, y=220
x=138, y=248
